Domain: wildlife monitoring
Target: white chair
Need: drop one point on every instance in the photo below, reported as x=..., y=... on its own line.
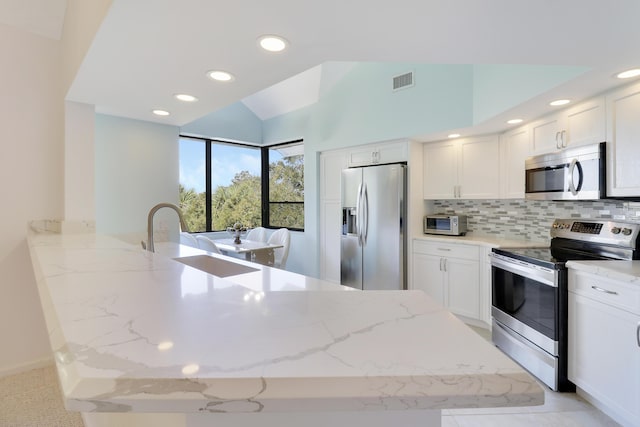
x=207, y=244
x=188, y=239
x=282, y=237
x=258, y=234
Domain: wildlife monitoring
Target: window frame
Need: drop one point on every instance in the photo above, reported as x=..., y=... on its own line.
x=265, y=202
x=265, y=179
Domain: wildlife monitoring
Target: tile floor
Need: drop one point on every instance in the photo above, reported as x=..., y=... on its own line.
x=559, y=410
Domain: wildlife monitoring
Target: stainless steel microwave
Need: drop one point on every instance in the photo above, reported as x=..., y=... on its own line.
x=575, y=173
x=452, y=225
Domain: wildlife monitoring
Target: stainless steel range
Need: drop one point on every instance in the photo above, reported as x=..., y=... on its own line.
x=529, y=292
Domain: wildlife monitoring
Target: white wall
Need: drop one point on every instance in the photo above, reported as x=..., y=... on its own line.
x=31, y=179
x=136, y=167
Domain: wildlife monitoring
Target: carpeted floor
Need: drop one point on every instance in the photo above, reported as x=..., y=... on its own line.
x=33, y=399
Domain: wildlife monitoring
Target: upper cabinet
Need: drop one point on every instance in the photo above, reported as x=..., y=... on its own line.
x=623, y=147
x=515, y=147
x=584, y=123
x=462, y=169
x=388, y=152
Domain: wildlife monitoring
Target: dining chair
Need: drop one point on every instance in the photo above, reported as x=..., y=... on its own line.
x=207, y=244
x=282, y=237
x=258, y=234
x=188, y=239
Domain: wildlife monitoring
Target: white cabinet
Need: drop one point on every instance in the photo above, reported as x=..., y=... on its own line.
x=331, y=165
x=515, y=147
x=464, y=169
x=449, y=273
x=584, y=123
x=623, y=148
x=604, y=343
x=440, y=163
x=388, y=152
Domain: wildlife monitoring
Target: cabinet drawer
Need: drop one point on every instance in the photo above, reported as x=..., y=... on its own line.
x=448, y=250
x=613, y=292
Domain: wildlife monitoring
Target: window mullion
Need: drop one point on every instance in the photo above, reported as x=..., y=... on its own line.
x=208, y=186
x=264, y=202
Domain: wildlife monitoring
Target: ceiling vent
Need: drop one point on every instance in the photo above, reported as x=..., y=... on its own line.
x=403, y=81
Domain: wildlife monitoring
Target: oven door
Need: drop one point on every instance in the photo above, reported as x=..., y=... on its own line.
x=525, y=298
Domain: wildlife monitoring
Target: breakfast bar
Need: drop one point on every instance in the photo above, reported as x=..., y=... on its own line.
x=142, y=339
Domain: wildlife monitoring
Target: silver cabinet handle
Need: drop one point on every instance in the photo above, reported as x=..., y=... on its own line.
x=562, y=138
x=445, y=264
x=558, y=140
x=638, y=334
x=441, y=259
x=606, y=291
x=444, y=249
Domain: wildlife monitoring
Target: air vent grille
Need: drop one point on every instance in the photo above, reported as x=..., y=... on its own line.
x=403, y=81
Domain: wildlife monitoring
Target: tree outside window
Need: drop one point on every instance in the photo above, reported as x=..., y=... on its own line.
x=223, y=183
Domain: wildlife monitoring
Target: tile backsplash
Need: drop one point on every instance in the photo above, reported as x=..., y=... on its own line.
x=529, y=219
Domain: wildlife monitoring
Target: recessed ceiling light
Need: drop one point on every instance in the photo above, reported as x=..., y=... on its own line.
x=161, y=112
x=514, y=121
x=186, y=98
x=272, y=43
x=453, y=135
x=629, y=73
x=558, y=102
x=221, y=76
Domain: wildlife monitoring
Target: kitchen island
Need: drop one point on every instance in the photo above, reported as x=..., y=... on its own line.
x=142, y=339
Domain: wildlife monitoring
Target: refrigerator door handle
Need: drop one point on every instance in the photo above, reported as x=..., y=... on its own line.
x=359, y=215
x=365, y=227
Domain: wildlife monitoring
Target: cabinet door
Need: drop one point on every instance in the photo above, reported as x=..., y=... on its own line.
x=479, y=168
x=515, y=147
x=604, y=356
x=331, y=215
x=362, y=156
x=545, y=134
x=585, y=123
x=463, y=287
x=428, y=277
x=393, y=152
x=331, y=165
x=623, y=149
x=440, y=170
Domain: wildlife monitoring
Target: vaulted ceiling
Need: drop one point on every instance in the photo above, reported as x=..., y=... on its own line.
x=146, y=51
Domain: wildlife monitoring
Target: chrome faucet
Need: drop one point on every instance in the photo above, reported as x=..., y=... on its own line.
x=183, y=225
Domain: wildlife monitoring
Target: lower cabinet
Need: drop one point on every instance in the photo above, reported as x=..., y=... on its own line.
x=604, y=343
x=449, y=273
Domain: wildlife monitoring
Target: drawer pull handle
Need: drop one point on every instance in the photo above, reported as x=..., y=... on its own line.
x=444, y=249
x=638, y=334
x=606, y=291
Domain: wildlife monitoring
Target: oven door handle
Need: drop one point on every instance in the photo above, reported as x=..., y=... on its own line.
x=542, y=275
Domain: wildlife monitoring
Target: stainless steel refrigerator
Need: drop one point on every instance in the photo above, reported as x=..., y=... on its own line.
x=373, y=242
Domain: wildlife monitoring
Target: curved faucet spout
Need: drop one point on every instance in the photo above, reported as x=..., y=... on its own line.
x=152, y=212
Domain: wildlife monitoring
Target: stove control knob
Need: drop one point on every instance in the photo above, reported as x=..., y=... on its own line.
x=615, y=230
x=626, y=231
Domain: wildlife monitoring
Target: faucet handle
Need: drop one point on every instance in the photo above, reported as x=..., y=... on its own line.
x=144, y=244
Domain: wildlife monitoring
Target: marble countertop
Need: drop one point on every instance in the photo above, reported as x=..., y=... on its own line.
x=484, y=240
x=626, y=271
x=134, y=331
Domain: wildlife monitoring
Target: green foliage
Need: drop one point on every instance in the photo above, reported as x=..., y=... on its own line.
x=241, y=200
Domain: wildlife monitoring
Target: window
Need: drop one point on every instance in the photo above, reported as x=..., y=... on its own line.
x=285, y=202
x=222, y=183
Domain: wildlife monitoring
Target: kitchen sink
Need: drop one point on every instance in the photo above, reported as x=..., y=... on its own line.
x=215, y=266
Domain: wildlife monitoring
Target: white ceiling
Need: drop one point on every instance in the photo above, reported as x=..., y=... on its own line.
x=146, y=51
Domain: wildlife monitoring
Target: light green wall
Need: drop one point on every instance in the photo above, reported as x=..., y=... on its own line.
x=135, y=169
x=235, y=122
x=497, y=88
